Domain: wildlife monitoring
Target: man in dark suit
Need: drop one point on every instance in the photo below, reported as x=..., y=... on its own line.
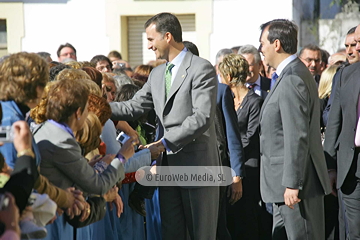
x=260, y=84
x=293, y=170
x=342, y=145
x=352, y=56
x=183, y=94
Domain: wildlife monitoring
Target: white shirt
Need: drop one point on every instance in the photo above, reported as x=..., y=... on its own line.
x=177, y=62
x=284, y=63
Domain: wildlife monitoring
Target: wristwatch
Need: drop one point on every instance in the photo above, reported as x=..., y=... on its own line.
x=27, y=152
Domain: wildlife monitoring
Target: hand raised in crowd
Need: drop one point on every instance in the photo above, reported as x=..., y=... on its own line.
x=22, y=136
x=127, y=149
x=235, y=190
x=120, y=64
x=291, y=197
x=134, y=135
x=10, y=215
x=126, y=128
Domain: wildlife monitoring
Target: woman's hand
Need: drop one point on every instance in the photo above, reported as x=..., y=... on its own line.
x=127, y=149
x=111, y=194
x=22, y=136
x=10, y=215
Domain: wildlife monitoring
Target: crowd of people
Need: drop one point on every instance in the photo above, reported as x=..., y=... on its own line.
x=279, y=118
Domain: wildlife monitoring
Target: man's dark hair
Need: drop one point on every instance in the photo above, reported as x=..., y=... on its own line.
x=311, y=47
x=54, y=71
x=283, y=30
x=126, y=92
x=166, y=22
x=99, y=58
x=65, y=45
x=191, y=47
x=324, y=56
x=352, y=30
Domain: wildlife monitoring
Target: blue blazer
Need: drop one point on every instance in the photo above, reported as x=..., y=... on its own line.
x=11, y=114
x=225, y=102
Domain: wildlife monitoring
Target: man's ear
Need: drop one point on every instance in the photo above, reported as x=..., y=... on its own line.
x=277, y=45
x=168, y=36
x=78, y=113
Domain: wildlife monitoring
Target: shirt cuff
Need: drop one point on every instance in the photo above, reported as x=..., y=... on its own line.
x=165, y=145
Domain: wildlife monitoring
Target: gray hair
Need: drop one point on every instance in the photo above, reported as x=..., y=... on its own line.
x=122, y=79
x=222, y=53
x=250, y=49
x=44, y=54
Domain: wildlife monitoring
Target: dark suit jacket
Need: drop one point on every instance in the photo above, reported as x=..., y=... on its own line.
x=248, y=115
x=22, y=180
x=342, y=122
x=290, y=139
x=225, y=103
x=265, y=84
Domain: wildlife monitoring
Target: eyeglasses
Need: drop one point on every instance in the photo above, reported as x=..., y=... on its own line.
x=310, y=60
x=68, y=54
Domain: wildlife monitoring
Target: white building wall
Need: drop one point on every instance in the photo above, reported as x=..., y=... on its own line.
x=84, y=23
x=237, y=22
x=79, y=22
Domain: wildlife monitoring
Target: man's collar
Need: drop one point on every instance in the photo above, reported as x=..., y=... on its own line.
x=178, y=59
x=284, y=63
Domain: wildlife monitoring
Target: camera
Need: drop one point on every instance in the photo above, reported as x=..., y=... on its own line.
x=122, y=138
x=4, y=202
x=121, y=65
x=6, y=134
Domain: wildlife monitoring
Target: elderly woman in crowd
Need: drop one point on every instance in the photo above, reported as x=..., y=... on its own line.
x=63, y=163
x=23, y=77
x=243, y=215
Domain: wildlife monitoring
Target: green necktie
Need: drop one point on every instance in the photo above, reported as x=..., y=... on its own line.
x=168, y=79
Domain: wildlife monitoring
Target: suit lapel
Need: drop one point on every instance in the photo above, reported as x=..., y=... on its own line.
x=159, y=84
x=355, y=88
x=180, y=76
x=293, y=62
x=271, y=93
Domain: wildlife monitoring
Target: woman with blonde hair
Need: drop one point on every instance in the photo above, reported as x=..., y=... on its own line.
x=325, y=85
x=234, y=70
x=325, y=82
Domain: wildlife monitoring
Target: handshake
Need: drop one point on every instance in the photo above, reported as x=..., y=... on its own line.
x=126, y=141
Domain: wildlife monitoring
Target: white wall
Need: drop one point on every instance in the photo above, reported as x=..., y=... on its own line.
x=238, y=22
x=79, y=22
x=83, y=23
